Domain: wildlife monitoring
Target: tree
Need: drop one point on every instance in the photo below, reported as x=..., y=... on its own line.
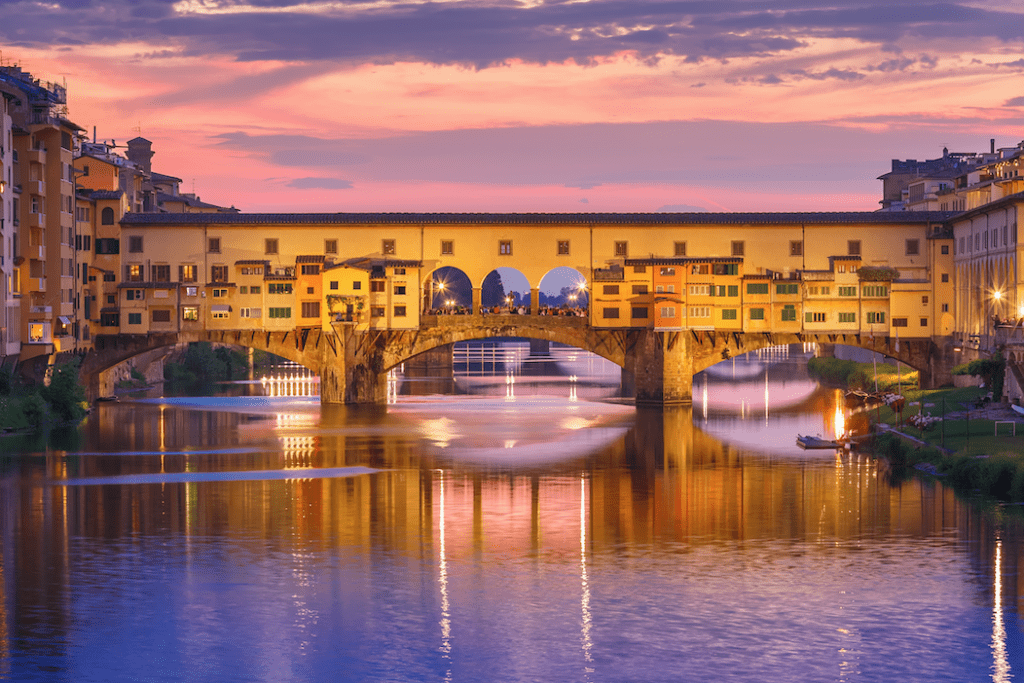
x=65, y=394
x=492, y=291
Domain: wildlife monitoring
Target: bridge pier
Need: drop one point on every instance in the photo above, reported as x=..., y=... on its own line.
x=661, y=365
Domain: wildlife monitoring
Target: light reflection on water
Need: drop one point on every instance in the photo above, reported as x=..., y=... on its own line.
x=473, y=538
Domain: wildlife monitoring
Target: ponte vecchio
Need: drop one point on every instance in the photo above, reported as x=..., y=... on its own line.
x=351, y=295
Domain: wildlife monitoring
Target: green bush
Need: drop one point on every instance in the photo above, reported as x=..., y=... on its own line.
x=65, y=394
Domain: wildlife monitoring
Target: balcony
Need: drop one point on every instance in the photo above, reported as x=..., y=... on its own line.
x=40, y=310
x=37, y=187
x=35, y=252
x=35, y=284
x=36, y=156
x=36, y=220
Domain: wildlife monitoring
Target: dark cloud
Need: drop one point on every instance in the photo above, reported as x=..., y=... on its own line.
x=1015, y=102
x=483, y=34
x=320, y=184
x=585, y=156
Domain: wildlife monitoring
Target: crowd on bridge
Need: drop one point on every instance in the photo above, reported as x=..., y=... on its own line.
x=568, y=311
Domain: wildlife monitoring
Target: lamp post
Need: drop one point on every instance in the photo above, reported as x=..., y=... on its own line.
x=997, y=297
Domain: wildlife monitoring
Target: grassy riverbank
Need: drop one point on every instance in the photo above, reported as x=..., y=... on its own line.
x=977, y=446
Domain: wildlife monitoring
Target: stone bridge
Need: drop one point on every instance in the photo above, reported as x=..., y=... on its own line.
x=658, y=364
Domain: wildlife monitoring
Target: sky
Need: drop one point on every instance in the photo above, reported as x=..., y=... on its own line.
x=532, y=105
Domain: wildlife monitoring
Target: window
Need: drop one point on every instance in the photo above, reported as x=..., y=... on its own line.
x=667, y=312
x=787, y=288
x=924, y=300
x=945, y=277
x=728, y=314
x=697, y=311
x=279, y=288
x=639, y=269
x=505, y=247
x=874, y=290
x=356, y=284
x=220, y=293
x=622, y=248
x=640, y=289
x=399, y=290
x=813, y=317
x=757, y=314
x=757, y=288
x=161, y=273
x=330, y=246
x=243, y=290
x=134, y=318
x=718, y=290
x=188, y=273
x=387, y=247
x=110, y=319
x=700, y=290
x=796, y=248
x=609, y=313
x=135, y=244
x=610, y=289
x=668, y=271
x=924, y=322
x=847, y=317
x=734, y=290
x=161, y=316
x=218, y=273
x=191, y=291
x=108, y=245
x=447, y=247
x=853, y=248
x=334, y=284
x=563, y=247
x=311, y=269
x=876, y=317
x=310, y=309
x=219, y=315
x=377, y=311
x=398, y=271
x=639, y=312
x=789, y=313
x=899, y=322
x=190, y=313
x=945, y=249
x=133, y=273
x=270, y=245
x=213, y=245
x=279, y=313
x=399, y=311
x=737, y=248
x=945, y=308
x=254, y=289
x=913, y=247
x=106, y=216
x=133, y=295
x=725, y=269
x=250, y=313
x=376, y=285
x=846, y=291
x=680, y=249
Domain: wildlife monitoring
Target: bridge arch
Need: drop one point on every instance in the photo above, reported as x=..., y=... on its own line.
x=565, y=287
x=447, y=288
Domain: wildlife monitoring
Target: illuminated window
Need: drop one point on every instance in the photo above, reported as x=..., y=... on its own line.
x=190, y=313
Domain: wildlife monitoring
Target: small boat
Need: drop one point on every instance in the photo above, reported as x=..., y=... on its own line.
x=1017, y=409
x=816, y=442
x=106, y=399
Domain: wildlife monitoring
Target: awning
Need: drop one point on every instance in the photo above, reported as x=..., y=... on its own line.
x=63, y=320
x=220, y=308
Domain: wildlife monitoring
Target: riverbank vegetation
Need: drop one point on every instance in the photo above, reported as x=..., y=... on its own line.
x=976, y=446
x=202, y=365
x=26, y=407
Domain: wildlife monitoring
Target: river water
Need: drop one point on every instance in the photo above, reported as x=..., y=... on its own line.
x=516, y=522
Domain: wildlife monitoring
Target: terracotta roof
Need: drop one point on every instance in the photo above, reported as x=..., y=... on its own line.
x=788, y=218
x=309, y=258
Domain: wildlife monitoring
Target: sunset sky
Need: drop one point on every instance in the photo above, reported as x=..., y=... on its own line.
x=532, y=105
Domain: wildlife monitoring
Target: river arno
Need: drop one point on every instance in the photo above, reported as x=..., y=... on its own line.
x=527, y=528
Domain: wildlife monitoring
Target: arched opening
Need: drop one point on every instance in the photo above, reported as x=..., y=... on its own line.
x=505, y=290
x=448, y=291
x=564, y=291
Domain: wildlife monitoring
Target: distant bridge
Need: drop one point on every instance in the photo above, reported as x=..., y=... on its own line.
x=660, y=365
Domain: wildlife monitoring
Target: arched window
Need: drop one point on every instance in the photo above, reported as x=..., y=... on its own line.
x=107, y=216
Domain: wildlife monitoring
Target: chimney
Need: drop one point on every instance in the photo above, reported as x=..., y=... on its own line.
x=992, y=145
